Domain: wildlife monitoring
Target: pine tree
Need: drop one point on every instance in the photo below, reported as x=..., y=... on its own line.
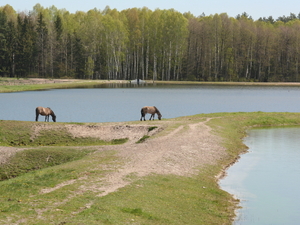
x=42, y=39
x=4, y=63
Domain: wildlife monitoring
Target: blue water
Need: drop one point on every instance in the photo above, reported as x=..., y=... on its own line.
x=266, y=179
x=124, y=104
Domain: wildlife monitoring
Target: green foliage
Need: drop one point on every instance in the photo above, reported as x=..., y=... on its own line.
x=159, y=44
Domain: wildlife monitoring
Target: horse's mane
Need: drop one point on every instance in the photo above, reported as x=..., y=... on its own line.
x=157, y=111
x=52, y=113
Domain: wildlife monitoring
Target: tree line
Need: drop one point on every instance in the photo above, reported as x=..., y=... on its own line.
x=145, y=44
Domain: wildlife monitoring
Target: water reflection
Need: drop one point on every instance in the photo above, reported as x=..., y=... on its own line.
x=267, y=178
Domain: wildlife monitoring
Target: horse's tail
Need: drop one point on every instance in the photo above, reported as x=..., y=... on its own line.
x=36, y=114
x=142, y=112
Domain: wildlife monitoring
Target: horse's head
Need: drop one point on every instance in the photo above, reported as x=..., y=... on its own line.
x=53, y=117
x=159, y=116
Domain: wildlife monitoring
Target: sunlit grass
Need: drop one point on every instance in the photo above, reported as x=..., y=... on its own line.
x=35, y=159
x=16, y=85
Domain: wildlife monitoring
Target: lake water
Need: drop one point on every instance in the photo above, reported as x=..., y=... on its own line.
x=266, y=179
x=111, y=104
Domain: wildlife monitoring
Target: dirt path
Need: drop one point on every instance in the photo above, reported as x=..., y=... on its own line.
x=182, y=151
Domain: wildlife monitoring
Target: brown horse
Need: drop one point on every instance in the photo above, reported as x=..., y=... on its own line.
x=44, y=112
x=151, y=110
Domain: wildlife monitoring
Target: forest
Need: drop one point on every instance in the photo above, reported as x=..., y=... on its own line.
x=139, y=43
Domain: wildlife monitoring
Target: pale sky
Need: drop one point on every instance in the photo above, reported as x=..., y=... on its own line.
x=254, y=8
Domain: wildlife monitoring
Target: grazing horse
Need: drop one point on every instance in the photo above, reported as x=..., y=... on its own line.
x=44, y=112
x=151, y=110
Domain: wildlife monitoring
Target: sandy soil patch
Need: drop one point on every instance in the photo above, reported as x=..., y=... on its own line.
x=181, y=152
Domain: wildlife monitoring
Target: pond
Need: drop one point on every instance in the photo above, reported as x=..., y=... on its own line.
x=266, y=179
x=123, y=103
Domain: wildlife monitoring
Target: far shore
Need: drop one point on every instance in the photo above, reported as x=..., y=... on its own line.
x=31, y=84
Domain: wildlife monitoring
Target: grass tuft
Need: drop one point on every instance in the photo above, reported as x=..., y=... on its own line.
x=143, y=139
x=151, y=128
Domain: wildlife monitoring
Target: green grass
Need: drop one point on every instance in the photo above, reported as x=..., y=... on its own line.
x=19, y=86
x=36, y=159
x=232, y=127
x=155, y=199
x=161, y=200
x=21, y=197
x=152, y=128
x=20, y=134
x=143, y=139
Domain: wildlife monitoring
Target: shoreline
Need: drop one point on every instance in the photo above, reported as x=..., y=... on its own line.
x=30, y=84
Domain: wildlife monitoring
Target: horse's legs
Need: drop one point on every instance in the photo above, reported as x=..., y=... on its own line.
x=153, y=115
x=37, y=117
x=143, y=115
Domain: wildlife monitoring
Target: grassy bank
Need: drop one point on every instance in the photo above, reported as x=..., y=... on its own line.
x=36, y=159
x=20, y=134
x=154, y=199
x=17, y=85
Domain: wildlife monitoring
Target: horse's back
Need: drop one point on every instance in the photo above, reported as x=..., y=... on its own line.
x=43, y=111
x=150, y=109
x=39, y=109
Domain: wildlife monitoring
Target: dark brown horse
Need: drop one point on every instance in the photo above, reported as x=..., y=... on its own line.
x=151, y=110
x=44, y=112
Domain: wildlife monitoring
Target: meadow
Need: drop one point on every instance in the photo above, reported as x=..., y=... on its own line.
x=43, y=184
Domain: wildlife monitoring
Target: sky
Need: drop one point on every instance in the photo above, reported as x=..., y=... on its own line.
x=254, y=8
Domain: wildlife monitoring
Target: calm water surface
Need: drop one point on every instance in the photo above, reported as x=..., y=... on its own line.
x=112, y=104
x=266, y=179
